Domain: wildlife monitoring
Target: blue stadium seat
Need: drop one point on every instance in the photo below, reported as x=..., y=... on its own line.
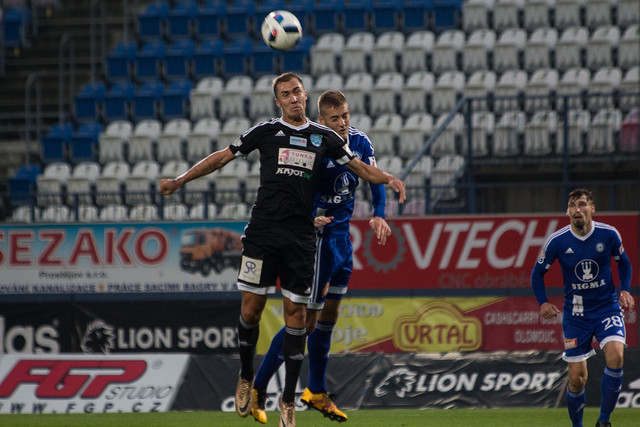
x=117, y=102
x=297, y=58
x=304, y=11
x=146, y=100
x=357, y=16
x=149, y=60
x=120, y=61
x=236, y=55
x=88, y=103
x=207, y=57
x=182, y=19
x=239, y=18
x=386, y=16
x=209, y=17
x=22, y=185
x=84, y=143
x=179, y=60
x=152, y=21
x=175, y=99
x=327, y=17
x=446, y=14
x=55, y=144
x=416, y=15
x=16, y=26
x=265, y=59
x=264, y=7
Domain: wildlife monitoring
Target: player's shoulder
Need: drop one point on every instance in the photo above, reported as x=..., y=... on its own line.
x=557, y=235
x=263, y=127
x=605, y=228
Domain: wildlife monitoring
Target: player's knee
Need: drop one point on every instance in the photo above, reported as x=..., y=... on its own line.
x=577, y=380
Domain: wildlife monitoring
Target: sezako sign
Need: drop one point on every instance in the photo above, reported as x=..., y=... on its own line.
x=50, y=384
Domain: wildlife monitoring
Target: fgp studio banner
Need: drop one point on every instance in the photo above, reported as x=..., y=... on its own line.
x=119, y=259
x=458, y=253
x=87, y=384
x=394, y=325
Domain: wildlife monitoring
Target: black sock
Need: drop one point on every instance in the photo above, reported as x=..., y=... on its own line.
x=247, y=339
x=294, y=343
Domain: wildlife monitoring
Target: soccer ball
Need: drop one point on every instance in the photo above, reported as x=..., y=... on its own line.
x=281, y=30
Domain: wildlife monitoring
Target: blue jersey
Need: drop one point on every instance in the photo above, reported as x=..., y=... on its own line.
x=336, y=189
x=589, y=291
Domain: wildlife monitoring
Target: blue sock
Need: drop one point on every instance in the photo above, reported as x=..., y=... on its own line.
x=610, y=386
x=271, y=362
x=575, y=404
x=319, y=344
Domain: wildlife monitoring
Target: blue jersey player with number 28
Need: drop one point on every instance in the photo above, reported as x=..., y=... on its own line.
x=591, y=306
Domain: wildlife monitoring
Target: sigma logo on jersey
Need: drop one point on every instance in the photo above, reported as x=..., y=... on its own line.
x=299, y=158
x=296, y=140
x=587, y=270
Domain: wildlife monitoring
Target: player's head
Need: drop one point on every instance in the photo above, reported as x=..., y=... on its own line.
x=333, y=111
x=291, y=97
x=580, y=208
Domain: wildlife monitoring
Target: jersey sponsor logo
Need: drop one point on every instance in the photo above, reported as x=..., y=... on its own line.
x=590, y=285
x=293, y=172
x=316, y=139
x=296, y=140
x=250, y=270
x=280, y=133
x=570, y=343
x=299, y=158
x=587, y=270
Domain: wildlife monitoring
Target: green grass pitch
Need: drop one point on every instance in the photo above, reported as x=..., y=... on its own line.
x=513, y=417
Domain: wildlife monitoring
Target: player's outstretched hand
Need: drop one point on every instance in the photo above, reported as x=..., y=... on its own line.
x=381, y=228
x=398, y=187
x=167, y=186
x=626, y=301
x=548, y=310
x=321, y=220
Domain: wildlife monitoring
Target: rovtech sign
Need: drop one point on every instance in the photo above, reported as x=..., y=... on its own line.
x=87, y=384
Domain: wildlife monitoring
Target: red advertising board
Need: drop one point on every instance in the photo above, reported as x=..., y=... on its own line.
x=467, y=252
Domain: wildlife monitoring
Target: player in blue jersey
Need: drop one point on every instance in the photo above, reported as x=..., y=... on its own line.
x=333, y=206
x=591, y=306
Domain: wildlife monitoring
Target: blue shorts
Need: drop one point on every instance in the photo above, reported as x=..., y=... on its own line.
x=579, y=333
x=334, y=261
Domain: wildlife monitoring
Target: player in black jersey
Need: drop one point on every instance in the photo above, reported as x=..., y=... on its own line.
x=279, y=240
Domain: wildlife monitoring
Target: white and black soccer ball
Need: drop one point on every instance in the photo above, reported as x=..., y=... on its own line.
x=281, y=30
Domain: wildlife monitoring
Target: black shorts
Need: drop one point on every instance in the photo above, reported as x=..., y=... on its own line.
x=270, y=253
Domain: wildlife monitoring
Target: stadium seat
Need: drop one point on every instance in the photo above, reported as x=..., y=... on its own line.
x=417, y=179
x=16, y=21
x=120, y=61
x=540, y=133
x=416, y=15
x=89, y=102
x=385, y=55
x=22, y=184
x=181, y=19
x=568, y=13
x=234, y=211
x=629, y=89
x=234, y=97
x=386, y=16
x=418, y=46
x=357, y=16
x=55, y=144
x=449, y=45
x=508, y=90
x=56, y=214
x=142, y=142
x=51, y=184
x=26, y=214
x=416, y=93
x=444, y=175
x=114, y=213
x=604, y=131
x=239, y=20
x=149, y=60
x=202, y=139
x=252, y=182
x=325, y=53
x=327, y=17
x=361, y=122
x=204, y=97
x=109, y=183
x=385, y=94
x=598, y=13
x=230, y=181
x=536, y=14
x=199, y=190
x=356, y=53
x=630, y=133
x=198, y=211
x=628, y=13
x=175, y=100
x=208, y=20
x=113, y=142
x=261, y=95
x=84, y=143
x=446, y=14
x=578, y=123
x=236, y=57
x=479, y=88
x=175, y=212
x=477, y=50
x=539, y=49
x=572, y=43
x=357, y=89
x=118, y=101
x=572, y=86
x=304, y=10
x=475, y=15
x=385, y=133
x=264, y=59
x=178, y=62
x=482, y=128
x=507, y=50
x=231, y=130
x=508, y=134
x=628, y=52
x=146, y=101
x=296, y=59
x=81, y=183
x=602, y=87
x=172, y=139
x=87, y=213
x=330, y=81
x=539, y=90
x=449, y=140
x=152, y=21
x=506, y=14
x=446, y=91
x=207, y=58
x=143, y=212
x=413, y=134
x=140, y=183
x=601, y=45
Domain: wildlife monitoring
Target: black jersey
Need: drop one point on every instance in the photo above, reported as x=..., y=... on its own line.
x=290, y=159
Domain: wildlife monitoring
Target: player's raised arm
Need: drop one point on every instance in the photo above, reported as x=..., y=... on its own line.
x=377, y=176
x=212, y=162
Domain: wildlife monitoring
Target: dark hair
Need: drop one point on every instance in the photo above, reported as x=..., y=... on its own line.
x=579, y=192
x=285, y=77
x=331, y=98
